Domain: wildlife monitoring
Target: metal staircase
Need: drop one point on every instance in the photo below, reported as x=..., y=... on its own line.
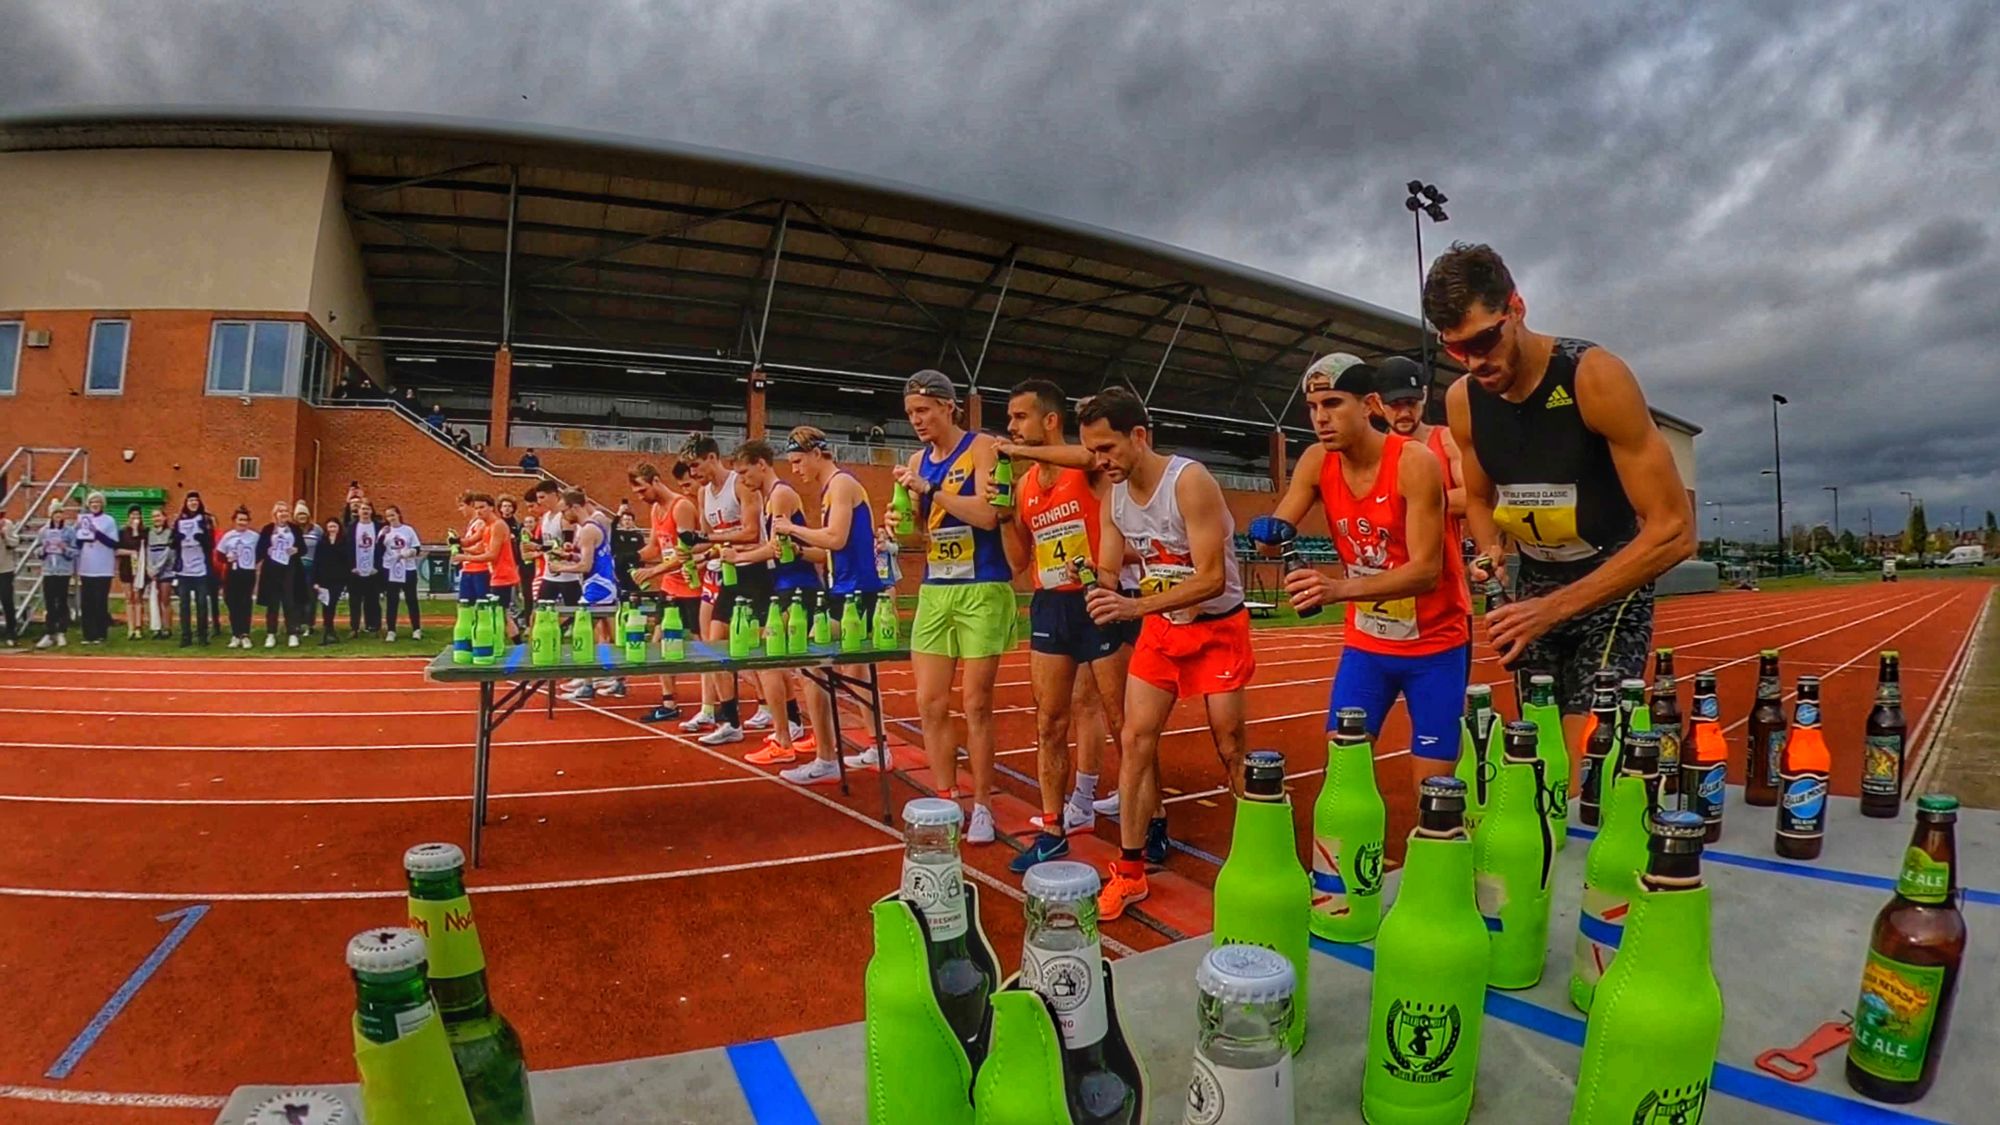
x=33, y=476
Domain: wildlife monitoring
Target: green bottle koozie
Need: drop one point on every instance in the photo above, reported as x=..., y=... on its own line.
x=1262, y=894
x=461, y=634
x=798, y=630
x=888, y=631
x=822, y=625
x=582, y=637
x=1477, y=766
x=1513, y=868
x=739, y=631
x=1656, y=1023
x=1426, y=1002
x=916, y=1068
x=1022, y=1081
x=1349, y=825
x=1554, y=753
x=853, y=637
x=774, y=630
x=545, y=638
x=1610, y=879
x=673, y=643
x=483, y=640
x=635, y=634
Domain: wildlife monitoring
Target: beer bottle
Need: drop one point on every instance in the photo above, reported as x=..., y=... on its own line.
x=461, y=632
x=1513, y=860
x=1705, y=759
x=1633, y=714
x=900, y=504
x=1887, y=734
x=582, y=636
x=729, y=574
x=1802, y=779
x=775, y=643
x=798, y=630
x=1611, y=870
x=934, y=885
x=484, y=1045
x=1242, y=1069
x=1605, y=680
x=1061, y=960
x=1495, y=587
x=673, y=634
x=787, y=553
x=484, y=642
x=1543, y=711
x=1426, y=1002
x=635, y=633
x=691, y=566
x=1262, y=894
x=1767, y=735
x=739, y=629
x=1664, y=703
x=1914, y=955
x=822, y=624
x=1478, y=751
x=888, y=629
x=1003, y=483
x=1290, y=560
x=1598, y=746
x=545, y=636
x=1349, y=823
x=853, y=635
x=1651, y=1042
x=392, y=1006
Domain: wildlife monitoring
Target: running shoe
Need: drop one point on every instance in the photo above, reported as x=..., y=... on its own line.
x=416, y=634
x=572, y=685
x=814, y=772
x=47, y=641
x=1106, y=806
x=771, y=754
x=583, y=694
x=801, y=740
x=1075, y=819
x=760, y=721
x=979, y=829
x=389, y=637
x=722, y=735
x=664, y=713
x=1122, y=888
x=271, y=640
x=292, y=641
x=1156, y=841
x=1041, y=849
x=868, y=759
x=613, y=688
x=699, y=721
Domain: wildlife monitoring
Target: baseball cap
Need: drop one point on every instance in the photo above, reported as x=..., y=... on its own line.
x=1399, y=379
x=931, y=383
x=1340, y=371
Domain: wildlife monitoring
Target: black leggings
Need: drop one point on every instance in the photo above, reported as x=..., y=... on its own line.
x=364, y=602
x=212, y=591
x=332, y=606
x=96, y=607
x=11, y=627
x=193, y=593
x=55, y=594
x=408, y=589
x=236, y=590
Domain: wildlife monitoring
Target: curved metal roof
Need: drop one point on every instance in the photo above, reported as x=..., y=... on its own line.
x=621, y=245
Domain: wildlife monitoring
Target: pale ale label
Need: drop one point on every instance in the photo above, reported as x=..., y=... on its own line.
x=1069, y=979
x=1923, y=879
x=937, y=891
x=1225, y=1095
x=451, y=938
x=1892, y=1023
x=1882, y=765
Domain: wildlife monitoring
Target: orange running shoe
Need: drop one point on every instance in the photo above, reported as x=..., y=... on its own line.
x=771, y=754
x=1126, y=885
x=802, y=745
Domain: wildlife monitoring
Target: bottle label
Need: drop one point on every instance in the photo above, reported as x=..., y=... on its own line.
x=1707, y=707
x=937, y=891
x=450, y=936
x=1227, y=1095
x=1332, y=886
x=1774, y=752
x=1807, y=715
x=1713, y=792
x=387, y=1027
x=1670, y=749
x=1924, y=879
x=1422, y=1039
x=1882, y=765
x=1892, y=1021
x=1069, y=980
x=1599, y=929
x=1802, y=805
x=1586, y=781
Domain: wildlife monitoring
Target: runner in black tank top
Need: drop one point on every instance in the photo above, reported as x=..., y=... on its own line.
x=1562, y=460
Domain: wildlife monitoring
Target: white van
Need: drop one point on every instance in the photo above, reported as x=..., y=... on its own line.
x=1972, y=555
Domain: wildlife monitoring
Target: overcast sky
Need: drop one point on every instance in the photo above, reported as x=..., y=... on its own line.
x=1739, y=198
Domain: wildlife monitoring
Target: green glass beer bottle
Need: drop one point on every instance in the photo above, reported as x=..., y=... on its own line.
x=1651, y=1042
x=1349, y=823
x=545, y=637
x=1425, y=1005
x=673, y=634
x=1611, y=870
x=1262, y=895
x=635, y=633
x=407, y=1075
x=1513, y=861
x=484, y=1045
x=775, y=643
x=1543, y=711
x=901, y=505
x=582, y=637
x=484, y=642
x=853, y=635
x=798, y=630
x=1478, y=751
x=787, y=553
x=888, y=630
x=461, y=633
x=1003, y=483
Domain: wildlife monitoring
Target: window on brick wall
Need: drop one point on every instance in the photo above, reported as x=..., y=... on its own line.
x=104, y=373
x=255, y=357
x=10, y=356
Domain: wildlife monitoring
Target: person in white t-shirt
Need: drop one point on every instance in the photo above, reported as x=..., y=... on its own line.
x=239, y=547
x=194, y=548
x=96, y=566
x=280, y=547
x=402, y=557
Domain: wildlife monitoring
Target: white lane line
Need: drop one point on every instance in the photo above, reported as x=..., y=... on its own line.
x=240, y=692
x=463, y=744
x=400, y=892
x=43, y=799
x=1874, y=646
x=113, y=1099
x=211, y=716
x=1944, y=703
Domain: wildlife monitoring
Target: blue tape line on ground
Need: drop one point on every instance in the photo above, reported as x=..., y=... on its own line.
x=1748, y=1085
x=769, y=1085
x=187, y=916
x=1807, y=871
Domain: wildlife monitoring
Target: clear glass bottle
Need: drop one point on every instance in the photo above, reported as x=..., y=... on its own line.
x=1062, y=960
x=934, y=886
x=1242, y=1064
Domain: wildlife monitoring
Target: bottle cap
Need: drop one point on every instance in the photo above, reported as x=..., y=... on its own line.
x=1062, y=880
x=1352, y=722
x=1479, y=691
x=1246, y=974
x=1677, y=831
x=1605, y=678
x=1632, y=684
x=386, y=949
x=1704, y=681
x=1642, y=753
x=1540, y=679
x=1937, y=803
x=1264, y=774
x=1768, y=654
x=1663, y=652
x=1443, y=792
x=932, y=812
x=1891, y=654
x=1521, y=739
x=431, y=858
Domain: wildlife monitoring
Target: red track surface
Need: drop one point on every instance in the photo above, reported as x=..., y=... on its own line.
x=697, y=901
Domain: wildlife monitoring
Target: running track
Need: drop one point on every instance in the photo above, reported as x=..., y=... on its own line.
x=642, y=895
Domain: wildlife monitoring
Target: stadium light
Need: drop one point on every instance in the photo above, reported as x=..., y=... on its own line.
x=1424, y=199
x=1778, y=472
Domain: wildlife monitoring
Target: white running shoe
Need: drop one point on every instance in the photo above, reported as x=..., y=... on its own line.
x=868, y=759
x=722, y=735
x=979, y=829
x=760, y=721
x=62, y=640
x=583, y=694
x=416, y=634
x=814, y=772
x=1075, y=820
x=389, y=637
x=613, y=688
x=47, y=641
x=1106, y=806
x=572, y=685
x=292, y=641
x=798, y=731
x=270, y=640
x=699, y=721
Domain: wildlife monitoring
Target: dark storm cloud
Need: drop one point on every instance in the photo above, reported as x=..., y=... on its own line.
x=1741, y=199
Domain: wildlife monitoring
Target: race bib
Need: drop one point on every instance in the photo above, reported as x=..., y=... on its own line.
x=1542, y=519
x=949, y=556
x=1391, y=620
x=1159, y=577
x=1055, y=546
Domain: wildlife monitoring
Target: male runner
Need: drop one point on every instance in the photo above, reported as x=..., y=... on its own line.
x=1405, y=394
x=671, y=497
x=731, y=512
x=845, y=538
x=1560, y=455
x=545, y=548
x=587, y=555
x=1061, y=504
x=1195, y=639
x=797, y=578
x=1404, y=584
x=965, y=607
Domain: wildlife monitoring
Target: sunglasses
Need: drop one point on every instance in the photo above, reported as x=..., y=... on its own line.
x=1477, y=344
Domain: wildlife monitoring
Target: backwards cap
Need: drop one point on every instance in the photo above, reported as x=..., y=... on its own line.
x=1340, y=371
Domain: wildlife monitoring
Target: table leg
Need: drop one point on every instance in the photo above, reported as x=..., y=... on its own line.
x=882, y=762
x=551, y=686
x=480, y=756
x=833, y=706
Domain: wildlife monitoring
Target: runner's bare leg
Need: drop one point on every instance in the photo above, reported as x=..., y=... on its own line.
x=1054, y=679
x=978, y=691
x=934, y=674
x=1227, y=728
x=1146, y=711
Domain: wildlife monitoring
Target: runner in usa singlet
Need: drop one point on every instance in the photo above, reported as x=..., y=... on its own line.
x=1368, y=531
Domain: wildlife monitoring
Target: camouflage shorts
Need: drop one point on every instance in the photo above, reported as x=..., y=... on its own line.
x=1617, y=635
